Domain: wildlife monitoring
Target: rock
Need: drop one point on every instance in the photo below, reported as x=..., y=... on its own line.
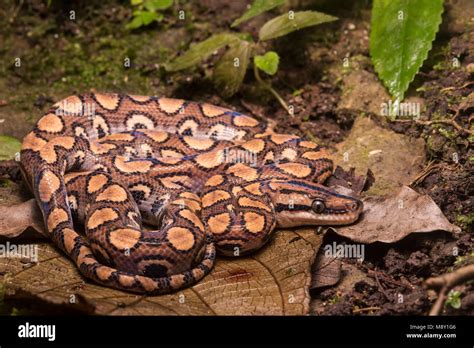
x=394, y=159
x=458, y=16
x=362, y=91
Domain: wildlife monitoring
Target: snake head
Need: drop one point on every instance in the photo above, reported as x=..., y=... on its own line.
x=301, y=202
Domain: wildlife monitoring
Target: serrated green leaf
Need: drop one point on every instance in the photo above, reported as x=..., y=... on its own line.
x=268, y=62
x=201, y=51
x=9, y=146
x=401, y=37
x=258, y=7
x=231, y=68
x=292, y=21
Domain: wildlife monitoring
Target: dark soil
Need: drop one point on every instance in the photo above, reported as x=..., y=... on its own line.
x=64, y=57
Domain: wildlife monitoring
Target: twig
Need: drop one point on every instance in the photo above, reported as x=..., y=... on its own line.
x=442, y=90
x=387, y=279
x=16, y=11
x=437, y=307
x=447, y=122
x=366, y=309
x=429, y=168
x=380, y=285
x=255, y=113
x=425, y=172
x=268, y=87
x=445, y=282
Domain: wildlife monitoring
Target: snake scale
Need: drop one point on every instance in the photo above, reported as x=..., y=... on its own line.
x=208, y=178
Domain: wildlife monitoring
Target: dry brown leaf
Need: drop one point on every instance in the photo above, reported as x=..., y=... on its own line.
x=392, y=219
x=17, y=218
x=326, y=271
x=350, y=275
x=273, y=281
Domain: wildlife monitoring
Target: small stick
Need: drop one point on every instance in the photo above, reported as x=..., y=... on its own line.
x=366, y=309
x=445, y=282
x=442, y=90
x=387, y=279
x=380, y=285
x=425, y=172
x=447, y=122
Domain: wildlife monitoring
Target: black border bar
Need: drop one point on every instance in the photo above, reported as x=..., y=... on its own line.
x=164, y=331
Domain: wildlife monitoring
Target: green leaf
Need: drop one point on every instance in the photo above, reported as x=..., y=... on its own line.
x=9, y=146
x=163, y=4
x=142, y=18
x=454, y=299
x=401, y=37
x=201, y=51
x=153, y=5
x=135, y=23
x=268, y=62
x=231, y=68
x=136, y=2
x=292, y=21
x=149, y=6
x=258, y=7
x=148, y=17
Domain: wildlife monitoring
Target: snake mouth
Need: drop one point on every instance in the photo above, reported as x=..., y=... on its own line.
x=338, y=219
x=309, y=218
x=349, y=215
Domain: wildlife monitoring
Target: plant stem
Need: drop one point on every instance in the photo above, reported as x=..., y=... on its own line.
x=268, y=87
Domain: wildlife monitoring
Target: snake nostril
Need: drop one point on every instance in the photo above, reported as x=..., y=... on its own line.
x=353, y=206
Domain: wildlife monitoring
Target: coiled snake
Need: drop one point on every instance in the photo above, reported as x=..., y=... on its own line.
x=208, y=177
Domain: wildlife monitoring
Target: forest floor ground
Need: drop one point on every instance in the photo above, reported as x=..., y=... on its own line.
x=325, y=74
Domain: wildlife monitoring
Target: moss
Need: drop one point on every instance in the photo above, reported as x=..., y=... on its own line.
x=99, y=65
x=446, y=133
x=56, y=63
x=440, y=66
x=464, y=260
x=334, y=299
x=436, y=144
x=465, y=220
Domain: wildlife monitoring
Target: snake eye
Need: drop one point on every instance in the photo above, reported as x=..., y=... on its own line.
x=318, y=206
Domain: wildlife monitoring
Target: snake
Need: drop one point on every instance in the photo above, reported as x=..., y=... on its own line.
x=142, y=192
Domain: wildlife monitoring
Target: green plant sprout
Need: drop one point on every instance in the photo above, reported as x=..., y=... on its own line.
x=454, y=299
x=232, y=66
x=146, y=12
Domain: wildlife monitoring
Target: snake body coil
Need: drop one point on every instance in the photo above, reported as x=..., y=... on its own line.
x=208, y=177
